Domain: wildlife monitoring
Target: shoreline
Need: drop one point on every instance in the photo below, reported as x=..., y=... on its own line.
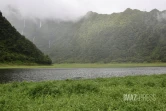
x=83, y=65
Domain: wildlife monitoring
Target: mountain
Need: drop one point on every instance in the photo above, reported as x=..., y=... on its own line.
x=16, y=48
x=129, y=36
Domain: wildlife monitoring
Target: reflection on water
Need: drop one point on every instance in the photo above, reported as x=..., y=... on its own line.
x=7, y=75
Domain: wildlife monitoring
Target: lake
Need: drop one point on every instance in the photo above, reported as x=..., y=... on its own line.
x=8, y=75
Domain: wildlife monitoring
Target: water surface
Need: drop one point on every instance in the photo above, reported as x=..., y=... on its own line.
x=7, y=75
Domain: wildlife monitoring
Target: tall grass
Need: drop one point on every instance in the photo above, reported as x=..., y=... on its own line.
x=84, y=95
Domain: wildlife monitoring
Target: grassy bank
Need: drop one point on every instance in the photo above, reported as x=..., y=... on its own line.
x=90, y=65
x=86, y=95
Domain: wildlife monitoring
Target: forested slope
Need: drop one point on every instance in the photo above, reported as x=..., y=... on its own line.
x=15, y=48
x=129, y=36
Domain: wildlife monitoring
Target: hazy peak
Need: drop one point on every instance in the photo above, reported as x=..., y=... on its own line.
x=155, y=11
x=128, y=9
x=91, y=13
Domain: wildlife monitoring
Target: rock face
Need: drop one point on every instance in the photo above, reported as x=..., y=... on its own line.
x=16, y=48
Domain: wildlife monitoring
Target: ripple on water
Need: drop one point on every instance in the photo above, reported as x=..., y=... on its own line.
x=7, y=75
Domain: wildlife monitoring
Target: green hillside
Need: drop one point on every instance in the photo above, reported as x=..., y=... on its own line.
x=16, y=48
x=129, y=36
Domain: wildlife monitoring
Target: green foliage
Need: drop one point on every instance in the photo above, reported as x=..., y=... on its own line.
x=82, y=88
x=54, y=90
x=15, y=47
x=43, y=90
x=130, y=36
x=102, y=94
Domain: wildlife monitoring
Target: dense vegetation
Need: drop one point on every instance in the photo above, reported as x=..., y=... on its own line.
x=15, y=48
x=86, y=95
x=130, y=36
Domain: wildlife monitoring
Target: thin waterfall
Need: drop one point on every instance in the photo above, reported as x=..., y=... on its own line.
x=33, y=39
x=49, y=43
x=40, y=24
x=23, y=28
x=24, y=23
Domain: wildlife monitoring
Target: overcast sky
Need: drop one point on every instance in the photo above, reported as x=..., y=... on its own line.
x=72, y=9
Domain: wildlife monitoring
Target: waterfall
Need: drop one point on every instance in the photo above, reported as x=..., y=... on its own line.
x=40, y=24
x=49, y=43
x=33, y=39
x=24, y=23
x=23, y=28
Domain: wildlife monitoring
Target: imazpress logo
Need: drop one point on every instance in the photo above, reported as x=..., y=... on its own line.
x=139, y=97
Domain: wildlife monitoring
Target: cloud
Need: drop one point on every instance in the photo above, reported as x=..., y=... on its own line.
x=73, y=9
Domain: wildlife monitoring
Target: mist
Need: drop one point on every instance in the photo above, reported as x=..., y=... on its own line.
x=74, y=9
x=161, y=16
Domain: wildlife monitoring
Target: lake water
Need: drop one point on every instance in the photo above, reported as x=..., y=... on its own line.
x=7, y=75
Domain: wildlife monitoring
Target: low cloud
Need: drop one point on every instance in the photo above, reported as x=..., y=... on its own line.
x=74, y=9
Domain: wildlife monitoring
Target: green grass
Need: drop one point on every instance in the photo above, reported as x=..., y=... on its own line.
x=85, y=95
x=90, y=65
